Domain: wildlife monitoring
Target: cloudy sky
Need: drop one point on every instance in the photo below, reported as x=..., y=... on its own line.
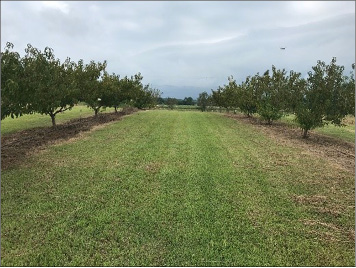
x=184, y=48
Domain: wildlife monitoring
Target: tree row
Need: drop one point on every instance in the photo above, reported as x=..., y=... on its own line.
x=325, y=96
x=40, y=83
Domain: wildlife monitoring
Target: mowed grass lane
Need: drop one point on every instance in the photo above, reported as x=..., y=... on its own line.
x=170, y=188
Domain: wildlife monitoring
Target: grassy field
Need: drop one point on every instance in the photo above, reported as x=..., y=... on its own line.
x=171, y=188
x=10, y=125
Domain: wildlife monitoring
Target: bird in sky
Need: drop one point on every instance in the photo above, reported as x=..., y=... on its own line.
x=283, y=48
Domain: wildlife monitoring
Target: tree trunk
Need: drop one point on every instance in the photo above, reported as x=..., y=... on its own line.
x=96, y=112
x=53, y=117
x=115, y=109
x=305, y=133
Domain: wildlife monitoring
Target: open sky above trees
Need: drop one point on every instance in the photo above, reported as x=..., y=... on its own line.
x=184, y=48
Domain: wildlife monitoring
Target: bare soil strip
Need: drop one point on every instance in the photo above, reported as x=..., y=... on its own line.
x=338, y=152
x=17, y=146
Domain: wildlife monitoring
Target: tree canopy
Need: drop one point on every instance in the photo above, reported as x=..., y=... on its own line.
x=325, y=97
x=40, y=83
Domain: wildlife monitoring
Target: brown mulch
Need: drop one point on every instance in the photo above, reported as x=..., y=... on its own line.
x=19, y=145
x=338, y=152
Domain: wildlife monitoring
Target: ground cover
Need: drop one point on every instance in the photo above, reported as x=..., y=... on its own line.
x=11, y=125
x=17, y=146
x=345, y=132
x=171, y=188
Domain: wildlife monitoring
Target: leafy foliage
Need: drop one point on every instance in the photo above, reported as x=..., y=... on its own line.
x=13, y=96
x=204, y=100
x=217, y=97
x=40, y=83
x=226, y=96
x=188, y=101
x=112, y=94
x=272, y=95
x=325, y=98
x=348, y=91
x=294, y=95
x=248, y=95
x=51, y=85
x=142, y=96
x=171, y=102
x=91, y=85
x=147, y=97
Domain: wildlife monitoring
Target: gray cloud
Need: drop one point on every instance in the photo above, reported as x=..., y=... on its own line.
x=183, y=48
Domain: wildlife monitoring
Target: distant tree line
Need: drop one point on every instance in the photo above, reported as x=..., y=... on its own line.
x=40, y=83
x=325, y=96
x=174, y=101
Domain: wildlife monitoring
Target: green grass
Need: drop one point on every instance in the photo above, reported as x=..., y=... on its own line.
x=170, y=188
x=10, y=125
x=346, y=133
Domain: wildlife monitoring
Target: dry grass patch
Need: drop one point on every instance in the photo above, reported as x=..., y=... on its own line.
x=310, y=200
x=329, y=232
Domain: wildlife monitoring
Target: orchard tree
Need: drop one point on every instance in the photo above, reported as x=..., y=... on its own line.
x=112, y=94
x=89, y=78
x=154, y=95
x=126, y=90
x=217, y=97
x=148, y=97
x=296, y=88
x=131, y=90
x=247, y=96
x=225, y=96
x=136, y=90
x=230, y=95
x=51, y=86
x=272, y=95
x=348, y=91
x=337, y=102
x=13, y=93
x=323, y=100
x=171, y=102
x=203, y=101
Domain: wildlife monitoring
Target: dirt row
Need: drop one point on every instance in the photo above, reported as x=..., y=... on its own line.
x=17, y=146
x=338, y=152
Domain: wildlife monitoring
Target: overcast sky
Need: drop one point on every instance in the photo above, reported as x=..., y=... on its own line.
x=184, y=48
